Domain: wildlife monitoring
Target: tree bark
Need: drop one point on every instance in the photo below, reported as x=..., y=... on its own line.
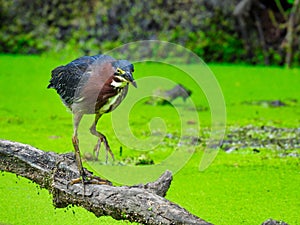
x=139, y=203
x=291, y=33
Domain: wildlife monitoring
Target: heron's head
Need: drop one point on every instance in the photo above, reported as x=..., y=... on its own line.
x=123, y=70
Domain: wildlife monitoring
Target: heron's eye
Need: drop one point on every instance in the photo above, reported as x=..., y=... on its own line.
x=120, y=71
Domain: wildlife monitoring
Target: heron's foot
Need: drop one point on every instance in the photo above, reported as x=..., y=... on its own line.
x=107, y=148
x=97, y=149
x=90, y=179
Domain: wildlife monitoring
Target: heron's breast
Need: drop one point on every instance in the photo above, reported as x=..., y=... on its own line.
x=111, y=103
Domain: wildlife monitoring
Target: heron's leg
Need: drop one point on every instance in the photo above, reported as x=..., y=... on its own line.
x=85, y=178
x=76, y=120
x=101, y=138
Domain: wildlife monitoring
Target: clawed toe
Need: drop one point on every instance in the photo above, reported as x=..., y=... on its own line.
x=96, y=149
x=107, y=148
x=90, y=180
x=96, y=180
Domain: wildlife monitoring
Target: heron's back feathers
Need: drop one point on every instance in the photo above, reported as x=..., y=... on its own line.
x=68, y=80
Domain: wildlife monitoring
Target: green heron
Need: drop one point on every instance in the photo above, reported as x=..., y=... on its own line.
x=92, y=85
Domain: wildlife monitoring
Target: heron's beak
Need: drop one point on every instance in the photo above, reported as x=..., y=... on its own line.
x=130, y=79
x=133, y=83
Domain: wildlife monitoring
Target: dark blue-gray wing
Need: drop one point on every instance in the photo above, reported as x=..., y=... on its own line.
x=68, y=79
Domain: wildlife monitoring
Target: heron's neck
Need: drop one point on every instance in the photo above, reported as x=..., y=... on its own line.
x=118, y=82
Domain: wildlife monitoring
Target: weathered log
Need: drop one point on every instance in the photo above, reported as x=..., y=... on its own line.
x=167, y=96
x=138, y=203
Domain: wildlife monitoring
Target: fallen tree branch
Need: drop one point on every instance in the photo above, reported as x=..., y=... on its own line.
x=140, y=203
